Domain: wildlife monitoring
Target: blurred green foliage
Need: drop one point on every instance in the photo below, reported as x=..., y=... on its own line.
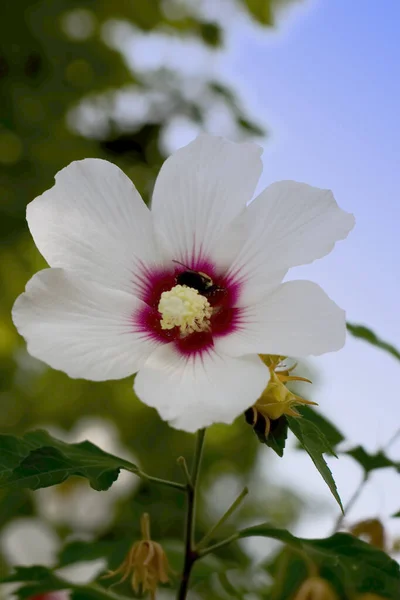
x=64, y=66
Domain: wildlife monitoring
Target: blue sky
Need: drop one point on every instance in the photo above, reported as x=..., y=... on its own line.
x=327, y=84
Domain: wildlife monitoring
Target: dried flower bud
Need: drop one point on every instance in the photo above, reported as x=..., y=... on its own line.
x=315, y=588
x=146, y=563
x=372, y=530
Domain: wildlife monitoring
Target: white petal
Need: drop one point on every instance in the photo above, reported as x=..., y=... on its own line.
x=194, y=392
x=288, y=224
x=80, y=327
x=82, y=572
x=297, y=319
x=199, y=190
x=94, y=221
x=29, y=541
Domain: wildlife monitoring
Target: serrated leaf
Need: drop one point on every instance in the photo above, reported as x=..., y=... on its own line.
x=371, y=462
x=330, y=431
x=315, y=444
x=38, y=460
x=362, y=567
x=366, y=334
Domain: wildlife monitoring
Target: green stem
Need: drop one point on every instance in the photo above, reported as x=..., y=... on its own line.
x=224, y=518
x=219, y=545
x=172, y=484
x=191, y=554
x=351, y=502
x=183, y=465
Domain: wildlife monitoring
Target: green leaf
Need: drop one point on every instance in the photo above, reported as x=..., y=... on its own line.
x=288, y=570
x=370, y=462
x=211, y=34
x=330, y=431
x=396, y=515
x=38, y=460
x=39, y=580
x=277, y=434
x=315, y=444
x=362, y=567
x=261, y=10
x=82, y=551
x=250, y=127
x=366, y=334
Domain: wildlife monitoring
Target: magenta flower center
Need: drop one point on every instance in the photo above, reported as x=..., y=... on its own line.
x=217, y=293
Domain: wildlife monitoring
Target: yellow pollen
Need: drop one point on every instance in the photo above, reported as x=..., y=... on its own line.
x=185, y=308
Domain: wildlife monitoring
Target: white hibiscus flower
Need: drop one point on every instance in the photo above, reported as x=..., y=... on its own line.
x=188, y=294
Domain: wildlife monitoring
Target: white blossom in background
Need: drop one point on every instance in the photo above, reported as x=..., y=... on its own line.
x=74, y=503
x=29, y=541
x=188, y=294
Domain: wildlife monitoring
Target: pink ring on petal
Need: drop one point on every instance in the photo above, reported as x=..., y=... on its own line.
x=226, y=317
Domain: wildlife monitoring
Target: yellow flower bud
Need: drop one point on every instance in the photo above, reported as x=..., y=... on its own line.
x=277, y=400
x=315, y=588
x=146, y=563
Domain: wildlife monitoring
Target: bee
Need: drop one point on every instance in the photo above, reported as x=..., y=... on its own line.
x=199, y=281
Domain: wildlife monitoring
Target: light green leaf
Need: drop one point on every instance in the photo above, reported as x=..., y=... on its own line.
x=315, y=444
x=366, y=334
x=38, y=460
x=362, y=567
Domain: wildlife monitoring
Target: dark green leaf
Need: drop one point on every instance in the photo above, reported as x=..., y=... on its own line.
x=330, y=431
x=81, y=551
x=211, y=33
x=39, y=580
x=38, y=460
x=250, y=127
x=362, y=567
x=315, y=444
x=288, y=570
x=396, y=515
x=366, y=334
x=274, y=436
x=370, y=462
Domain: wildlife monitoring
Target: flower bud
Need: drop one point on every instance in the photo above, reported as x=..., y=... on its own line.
x=146, y=563
x=315, y=588
x=276, y=400
x=372, y=530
